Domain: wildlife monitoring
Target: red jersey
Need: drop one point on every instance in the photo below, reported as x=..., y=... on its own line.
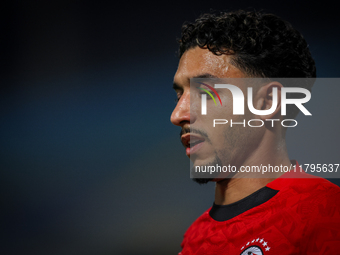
x=287, y=216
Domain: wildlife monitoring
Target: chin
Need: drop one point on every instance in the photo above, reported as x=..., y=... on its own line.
x=202, y=171
x=202, y=180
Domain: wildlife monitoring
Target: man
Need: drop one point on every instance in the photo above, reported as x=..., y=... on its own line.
x=278, y=213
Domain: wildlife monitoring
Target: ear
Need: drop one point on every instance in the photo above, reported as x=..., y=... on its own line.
x=265, y=99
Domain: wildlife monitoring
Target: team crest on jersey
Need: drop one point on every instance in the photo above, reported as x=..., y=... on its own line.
x=252, y=250
x=255, y=247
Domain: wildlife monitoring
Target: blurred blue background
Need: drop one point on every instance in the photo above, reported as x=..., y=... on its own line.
x=90, y=163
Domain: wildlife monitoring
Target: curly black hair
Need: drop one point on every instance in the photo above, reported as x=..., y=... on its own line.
x=261, y=45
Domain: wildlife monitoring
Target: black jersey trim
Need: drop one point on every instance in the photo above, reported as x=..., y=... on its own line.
x=227, y=212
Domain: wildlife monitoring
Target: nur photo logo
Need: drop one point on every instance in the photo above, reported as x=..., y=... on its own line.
x=284, y=97
x=204, y=97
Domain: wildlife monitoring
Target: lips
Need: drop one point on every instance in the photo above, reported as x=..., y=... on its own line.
x=192, y=143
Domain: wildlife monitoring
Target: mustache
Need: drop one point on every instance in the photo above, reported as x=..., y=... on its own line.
x=194, y=131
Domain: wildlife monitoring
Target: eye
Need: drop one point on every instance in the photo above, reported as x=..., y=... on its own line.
x=208, y=92
x=178, y=97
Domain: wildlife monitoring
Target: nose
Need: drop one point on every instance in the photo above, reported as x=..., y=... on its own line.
x=181, y=114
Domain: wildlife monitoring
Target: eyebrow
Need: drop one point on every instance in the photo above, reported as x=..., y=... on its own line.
x=206, y=75
x=176, y=86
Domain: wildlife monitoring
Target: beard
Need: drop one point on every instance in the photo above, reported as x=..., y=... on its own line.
x=205, y=177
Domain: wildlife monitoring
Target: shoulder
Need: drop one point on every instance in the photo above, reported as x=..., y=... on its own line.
x=197, y=229
x=306, y=185
x=315, y=196
x=322, y=228
x=326, y=199
x=199, y=224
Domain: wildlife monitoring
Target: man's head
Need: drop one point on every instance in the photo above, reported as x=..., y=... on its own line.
x=261, y=45
x=234, y=45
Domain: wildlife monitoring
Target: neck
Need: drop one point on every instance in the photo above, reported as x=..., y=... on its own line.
x=231, y=190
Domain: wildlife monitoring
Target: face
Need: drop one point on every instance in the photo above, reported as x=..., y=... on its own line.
x=207, y=145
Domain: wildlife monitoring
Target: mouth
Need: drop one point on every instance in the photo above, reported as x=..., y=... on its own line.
x=192, y=143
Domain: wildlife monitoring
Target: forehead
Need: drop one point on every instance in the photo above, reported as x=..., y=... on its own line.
x=196, y=62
